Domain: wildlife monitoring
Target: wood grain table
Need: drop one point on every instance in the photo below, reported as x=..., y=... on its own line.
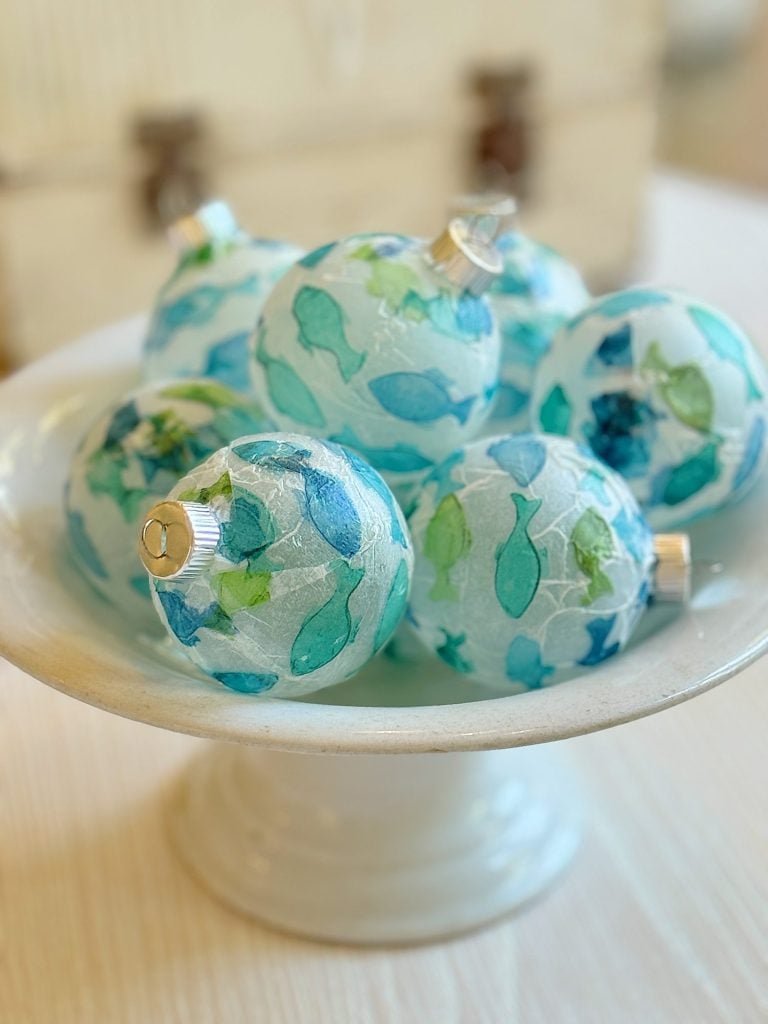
x=663, y=918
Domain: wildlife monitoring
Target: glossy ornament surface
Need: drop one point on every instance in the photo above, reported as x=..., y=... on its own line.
x=207, y=310
x=532, y=560
x=666, y=390
x=131, y=457
x=311, y=574
x=372, y=343
x=536, y=293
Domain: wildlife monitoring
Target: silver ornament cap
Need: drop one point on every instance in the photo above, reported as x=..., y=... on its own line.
x=178, y=539
x=489, y=214
x=211, y=222
x=465, y=259
x=672, y=580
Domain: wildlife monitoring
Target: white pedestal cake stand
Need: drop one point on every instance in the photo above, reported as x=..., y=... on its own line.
x=469, y=821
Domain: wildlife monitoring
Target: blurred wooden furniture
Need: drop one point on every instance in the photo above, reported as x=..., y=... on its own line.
x=324, y=118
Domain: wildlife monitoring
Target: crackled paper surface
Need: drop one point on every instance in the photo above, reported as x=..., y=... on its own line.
x=130, y=459
x=532, y=559
x=363, y=343
x=667, y=391
x=207, y=310
x=536, y=293
x=312, y=573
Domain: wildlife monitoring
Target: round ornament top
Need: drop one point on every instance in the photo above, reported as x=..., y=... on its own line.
x=211, y=222
x=464, y=258
x=178, y=539
x=672, y=575
x=489, y=214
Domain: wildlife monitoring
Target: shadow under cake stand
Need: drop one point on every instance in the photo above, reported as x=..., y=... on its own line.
x=345, y=819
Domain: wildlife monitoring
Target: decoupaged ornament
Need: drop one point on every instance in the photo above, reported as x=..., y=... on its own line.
x=133, y=455
x=537, y=291
x=533, y=560
x=280, y=564
x=383, y=343
x=206, y=312
x=666, y=390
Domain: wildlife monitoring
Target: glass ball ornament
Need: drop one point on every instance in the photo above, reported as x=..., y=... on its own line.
x=537, y=291
x=666, y=390
x=533, y=561
x=206, y=311
x=383, y=343
x=282, y=564
x=131, y=456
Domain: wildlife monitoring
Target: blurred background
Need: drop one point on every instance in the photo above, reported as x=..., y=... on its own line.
x=316, y=118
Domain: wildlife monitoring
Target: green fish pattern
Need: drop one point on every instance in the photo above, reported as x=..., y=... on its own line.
x=518, y=563
x=446, y=542
x=241, y=588
x=684, y=388
x=321, y=326
x=592, y=544
x=221, y=488
x=326, y=632
x=287, y=391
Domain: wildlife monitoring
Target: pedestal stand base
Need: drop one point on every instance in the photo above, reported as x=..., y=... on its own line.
x=376, y=848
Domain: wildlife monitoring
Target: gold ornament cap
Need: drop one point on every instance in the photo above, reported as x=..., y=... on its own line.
x=489, y=214
x=463, y=258
x=211, y=222
x=178, y=539
x=672, y=580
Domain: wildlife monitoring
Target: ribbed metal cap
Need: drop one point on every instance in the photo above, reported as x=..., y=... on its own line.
x=489, y=214
x=673, y=567
x=178, y=539
x=211, y=222
x=464, y=259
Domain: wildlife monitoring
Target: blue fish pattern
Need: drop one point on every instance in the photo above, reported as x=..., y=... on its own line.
x=125, y=420
x=510, y=401
x=526, y=342
x=623, y=432
x=258, y=451
x=329, y=507
x=524, y=663
x=194, y=308
x=227, y=361
x=287, y=391
x=186, y=621
x=419, y=397
x=373, y=481
x=522, y=456
x=251, y=528
x=326, y=632
x=620, y=303
x=247, y=682
x=394, y=607
x=400, y=458
x=473, y=315
x=634, y=533
x=615, y=350
x=442, y=476
x=724, y=341
x=599, y=630
x=450, y=652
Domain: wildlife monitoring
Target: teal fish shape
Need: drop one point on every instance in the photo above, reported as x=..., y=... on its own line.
x=193, y=309
x=287, y=391
x=394, y=606
x=419, y=397
x=374, y=482
x=524, y=663
x=326, y=632
x=518, y=562
x=400, y=458
x=726, y=344
x=450, y=651
x=321, y=326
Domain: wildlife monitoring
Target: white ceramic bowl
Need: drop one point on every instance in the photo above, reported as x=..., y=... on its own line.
x=398, y=836
x=54, y=628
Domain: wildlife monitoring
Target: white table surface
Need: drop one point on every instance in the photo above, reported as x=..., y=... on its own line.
x=664, y=917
